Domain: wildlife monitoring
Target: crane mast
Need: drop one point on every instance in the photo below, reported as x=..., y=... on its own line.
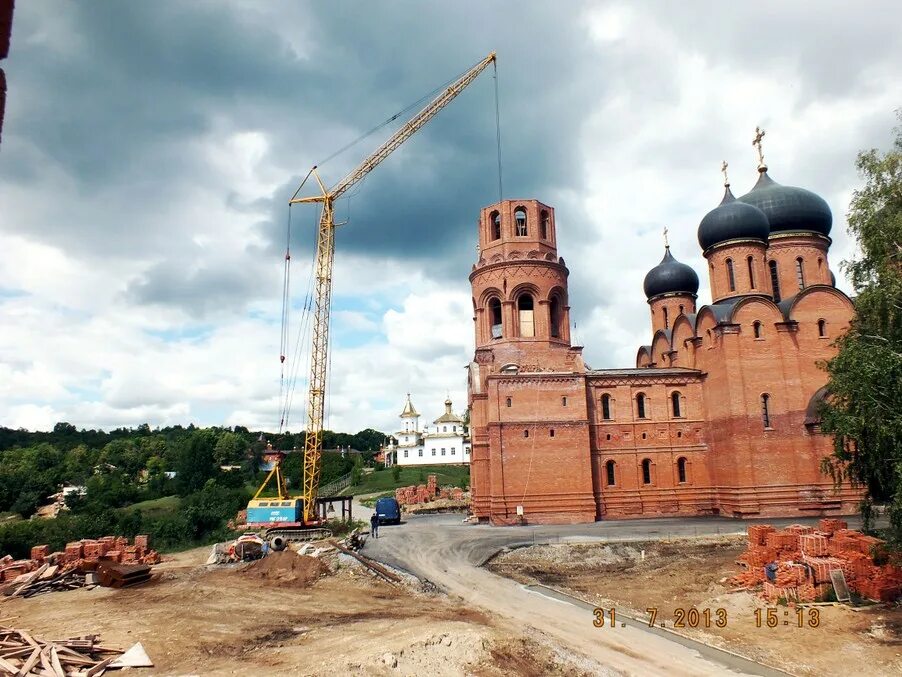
x=325, y=256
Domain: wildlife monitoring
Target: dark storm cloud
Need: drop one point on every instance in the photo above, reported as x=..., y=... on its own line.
x=115, y=94
x=200, y=291
x=422, y=203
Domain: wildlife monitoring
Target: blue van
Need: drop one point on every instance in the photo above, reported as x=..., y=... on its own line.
x=388, y=511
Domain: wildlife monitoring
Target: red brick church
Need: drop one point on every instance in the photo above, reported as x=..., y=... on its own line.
x=719, y=415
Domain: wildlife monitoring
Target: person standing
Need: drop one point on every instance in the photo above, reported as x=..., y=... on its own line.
x=374, y=525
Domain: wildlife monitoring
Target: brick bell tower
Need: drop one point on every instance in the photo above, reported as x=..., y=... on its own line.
x=524, y=371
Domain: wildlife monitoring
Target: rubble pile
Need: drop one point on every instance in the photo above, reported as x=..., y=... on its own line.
x=795, y=563
x=426, y=493
x=47, y=571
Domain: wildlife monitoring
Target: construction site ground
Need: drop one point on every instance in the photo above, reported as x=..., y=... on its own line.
x=226, y=620
x=685, y=573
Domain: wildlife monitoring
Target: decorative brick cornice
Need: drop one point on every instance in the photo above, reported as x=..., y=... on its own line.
x=649, y=379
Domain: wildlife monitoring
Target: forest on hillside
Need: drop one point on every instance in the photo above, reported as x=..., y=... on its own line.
x=179, y=484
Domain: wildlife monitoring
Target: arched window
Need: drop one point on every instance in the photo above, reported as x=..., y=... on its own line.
x=681, y=470
x=545, y=223
x=646, y=471
x=756, y=328
x=774, y=280
x=609, y=471
x=765, y=410
x=606, y=407
x=551, y=432
x=681, y=309
x=730, y=277
x=822, y=328
x=749, y=261
x=495, y=219
x=495, y=316
x=564, y=401
x=520, y=221
x=527, y=318
x=666, y=319
x=800, y=273
x=675, y=403
x=554, y=311
x=640, y=405
x=526, y=433
x=509, y=401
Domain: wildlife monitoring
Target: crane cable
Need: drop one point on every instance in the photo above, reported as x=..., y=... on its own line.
x=406, y=109
x=498, y=129
x=286, y=389
x=286, y=278
x=303, y=336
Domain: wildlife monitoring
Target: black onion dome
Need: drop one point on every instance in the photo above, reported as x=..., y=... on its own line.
x=670, y=276
x=788, y=208
x=732, y=220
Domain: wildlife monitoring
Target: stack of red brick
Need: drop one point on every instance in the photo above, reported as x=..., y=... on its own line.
x=424, y=493
x=75, y=554
x=804, y=558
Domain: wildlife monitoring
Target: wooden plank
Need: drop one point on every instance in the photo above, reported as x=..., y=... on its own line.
x=9, y=667
x=100, y=667
x=30, y=663
x=370, y=564
x=31, y=579
x=45, y=661
x=55, y=662
x=28, y=638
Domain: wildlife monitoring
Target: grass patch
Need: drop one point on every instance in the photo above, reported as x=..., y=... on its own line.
x=383, y=481
x=157, y=506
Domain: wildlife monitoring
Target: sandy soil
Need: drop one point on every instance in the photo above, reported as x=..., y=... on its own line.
x=681, y=574
x=194, y=619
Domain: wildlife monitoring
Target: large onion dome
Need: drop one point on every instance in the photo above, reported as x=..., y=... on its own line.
x=788, y=208
x=732, y=220
x=669, y=277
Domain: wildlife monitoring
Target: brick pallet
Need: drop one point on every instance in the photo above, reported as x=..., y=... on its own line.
x=801, y=559
x=47, y=571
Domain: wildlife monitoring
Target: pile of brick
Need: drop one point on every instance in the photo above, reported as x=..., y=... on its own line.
x=801, y=559
x=84, y=554
x=426, y=493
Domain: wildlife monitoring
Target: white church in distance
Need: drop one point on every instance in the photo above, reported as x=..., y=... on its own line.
x=445, y=441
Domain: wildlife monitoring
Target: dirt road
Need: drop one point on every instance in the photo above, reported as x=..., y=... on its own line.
x=443, y=550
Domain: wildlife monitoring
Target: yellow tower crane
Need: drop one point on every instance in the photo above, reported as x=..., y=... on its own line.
x=325, y=255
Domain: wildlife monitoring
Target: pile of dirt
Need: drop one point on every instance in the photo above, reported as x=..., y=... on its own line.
x=288, y=568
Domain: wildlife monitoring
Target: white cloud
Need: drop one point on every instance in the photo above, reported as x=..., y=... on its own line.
x=152, y=293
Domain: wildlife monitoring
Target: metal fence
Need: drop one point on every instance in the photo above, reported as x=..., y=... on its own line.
x=335, y=486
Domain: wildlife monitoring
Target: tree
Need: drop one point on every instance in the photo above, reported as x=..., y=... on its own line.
x=230, y=448
x=864, y=407
x=194, y=461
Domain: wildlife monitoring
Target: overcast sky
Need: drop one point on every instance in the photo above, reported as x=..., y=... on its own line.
x=149, y=150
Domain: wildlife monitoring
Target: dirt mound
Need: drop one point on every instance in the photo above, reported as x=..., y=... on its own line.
x=289, y=568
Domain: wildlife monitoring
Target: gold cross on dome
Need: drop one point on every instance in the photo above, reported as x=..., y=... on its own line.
x=723, y=168
x=666, y=244
x=759, y=134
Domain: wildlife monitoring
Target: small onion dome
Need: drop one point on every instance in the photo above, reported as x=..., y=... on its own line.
x=669, y=277
x=788, y=208
x=732, y=220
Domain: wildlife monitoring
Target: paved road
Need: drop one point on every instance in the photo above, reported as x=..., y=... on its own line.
x=450, y=554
